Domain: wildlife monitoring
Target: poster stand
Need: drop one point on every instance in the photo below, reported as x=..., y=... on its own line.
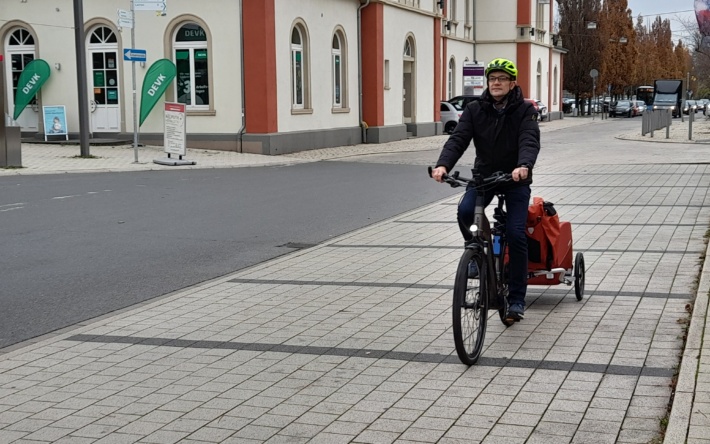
x=55, y=121
x=174, y=141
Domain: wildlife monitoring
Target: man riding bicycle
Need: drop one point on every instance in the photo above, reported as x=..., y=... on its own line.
x=505, y=131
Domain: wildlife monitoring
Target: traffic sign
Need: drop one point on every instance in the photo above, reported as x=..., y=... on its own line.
x=150, y=5
x=125, y=23
x=134, y=55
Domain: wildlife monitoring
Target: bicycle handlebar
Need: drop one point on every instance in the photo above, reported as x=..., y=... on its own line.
x=455, y=180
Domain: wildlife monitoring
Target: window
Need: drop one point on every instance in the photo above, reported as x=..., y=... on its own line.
x=451, y=77
x=21, y=51
x=387, y=74
x=555, y=87
x=339, y=55
x=408, y=50
x=299, y=68
x=192, y=63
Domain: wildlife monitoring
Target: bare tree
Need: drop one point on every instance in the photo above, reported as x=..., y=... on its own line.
x=577, y=29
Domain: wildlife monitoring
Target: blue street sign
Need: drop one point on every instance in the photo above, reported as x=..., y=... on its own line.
x=134, y=55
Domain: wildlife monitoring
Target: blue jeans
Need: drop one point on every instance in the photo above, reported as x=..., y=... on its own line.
x=516, y=202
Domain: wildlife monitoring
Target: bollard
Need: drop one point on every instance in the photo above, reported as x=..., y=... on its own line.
x=691, y=117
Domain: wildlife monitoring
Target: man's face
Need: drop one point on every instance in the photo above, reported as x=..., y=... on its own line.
x=499, y=84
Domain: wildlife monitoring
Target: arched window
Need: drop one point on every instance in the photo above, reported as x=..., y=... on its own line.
x=451, y=77
x=408, y=51
x=21, y=49
x=103, y=59
x=191, y=44
x=299, y=68
x=337, y=60
x=538, y=93
x=555, y=87
x=101, y=35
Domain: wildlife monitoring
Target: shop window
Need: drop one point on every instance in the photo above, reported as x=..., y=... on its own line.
x=192, y=60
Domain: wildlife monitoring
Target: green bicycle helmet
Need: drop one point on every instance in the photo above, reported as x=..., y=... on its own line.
x=504, y=65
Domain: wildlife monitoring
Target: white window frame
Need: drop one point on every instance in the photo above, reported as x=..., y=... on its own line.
x=302, y=49
x=192, y=47
x=337, y=65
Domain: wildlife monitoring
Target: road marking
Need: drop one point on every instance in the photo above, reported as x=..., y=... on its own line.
x=67, y=197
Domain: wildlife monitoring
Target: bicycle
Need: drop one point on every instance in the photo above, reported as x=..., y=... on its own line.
x=487, y=289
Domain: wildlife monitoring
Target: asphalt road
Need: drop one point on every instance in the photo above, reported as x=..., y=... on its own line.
x=77, y=246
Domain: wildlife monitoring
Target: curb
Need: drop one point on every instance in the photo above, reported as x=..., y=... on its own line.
x=681, y=410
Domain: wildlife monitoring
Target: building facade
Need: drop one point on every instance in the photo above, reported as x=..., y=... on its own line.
x=277, y=76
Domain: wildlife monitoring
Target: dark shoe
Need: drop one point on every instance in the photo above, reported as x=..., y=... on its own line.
x=472, y=270
x=516, y=312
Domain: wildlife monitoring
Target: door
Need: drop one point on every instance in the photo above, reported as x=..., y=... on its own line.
x=104, y=89
x=20, y=50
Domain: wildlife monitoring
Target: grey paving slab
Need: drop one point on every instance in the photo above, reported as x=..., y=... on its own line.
x=350, y=340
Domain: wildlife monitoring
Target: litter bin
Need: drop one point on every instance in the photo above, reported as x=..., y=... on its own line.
x=10, y=147
x=575, y=112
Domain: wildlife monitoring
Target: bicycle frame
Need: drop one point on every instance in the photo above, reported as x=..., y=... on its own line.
x=482, y=238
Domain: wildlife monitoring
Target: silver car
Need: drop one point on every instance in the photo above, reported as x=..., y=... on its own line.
x=450, y=114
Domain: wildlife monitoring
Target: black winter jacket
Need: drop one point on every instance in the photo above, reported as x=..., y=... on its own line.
x=504, y=140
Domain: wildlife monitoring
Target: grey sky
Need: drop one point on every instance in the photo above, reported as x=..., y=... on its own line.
x=677, y=11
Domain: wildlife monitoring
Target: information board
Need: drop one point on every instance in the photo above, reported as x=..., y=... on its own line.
x=175, y=128
x=474, y=79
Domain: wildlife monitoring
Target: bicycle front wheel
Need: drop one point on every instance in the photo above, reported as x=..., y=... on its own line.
x=470, y=307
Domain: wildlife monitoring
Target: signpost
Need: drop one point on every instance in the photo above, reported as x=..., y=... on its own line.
x=126, y=19
x=594, y=74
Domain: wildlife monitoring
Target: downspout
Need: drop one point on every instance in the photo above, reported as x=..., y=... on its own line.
x=241, y=57
x=475, y=26
x=363, y=127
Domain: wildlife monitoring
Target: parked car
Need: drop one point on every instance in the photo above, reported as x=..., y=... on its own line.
x=542, y=109
x=450, y=114
x=537, y=107
x=701, y=104
x=641, y=106
x=568, y=104
x=688, y=105
x=462, y=101
x=626, y=108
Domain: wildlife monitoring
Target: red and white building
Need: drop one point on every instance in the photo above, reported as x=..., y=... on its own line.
x=279, y=76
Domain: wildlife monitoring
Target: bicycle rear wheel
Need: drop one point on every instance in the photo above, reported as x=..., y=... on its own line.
x=470, y=307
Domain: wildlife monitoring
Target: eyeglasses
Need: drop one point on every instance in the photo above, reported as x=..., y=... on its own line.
x=501, y=79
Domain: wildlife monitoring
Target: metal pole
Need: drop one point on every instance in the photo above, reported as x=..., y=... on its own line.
x=691, y=117
x=81, y=77
x=135, y=102
x=3, y=146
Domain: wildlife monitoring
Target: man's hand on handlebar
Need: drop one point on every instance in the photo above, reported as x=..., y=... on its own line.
x=520, y=173
x=438, y=173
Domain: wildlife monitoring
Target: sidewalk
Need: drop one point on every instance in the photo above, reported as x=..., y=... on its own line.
x=52, y=159
x=350, y=341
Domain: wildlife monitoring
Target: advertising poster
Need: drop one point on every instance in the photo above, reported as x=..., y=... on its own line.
x=55, y=121
x=175, y=124
x=474, y=79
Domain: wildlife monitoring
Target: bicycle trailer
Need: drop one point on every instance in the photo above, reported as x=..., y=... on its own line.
x=550, y=252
